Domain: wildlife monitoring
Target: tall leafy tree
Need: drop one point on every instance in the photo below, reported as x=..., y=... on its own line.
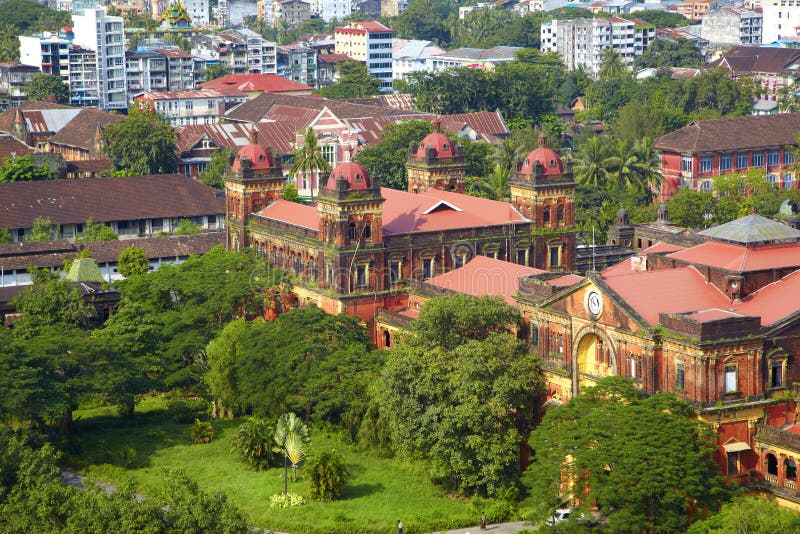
x=592, y=165
x=214, y=175
x=42, y=230
x=218, y=70
x=309, y=162
x=460, y=392
x=143, y=143
x=666, y=53
x=647, y=464
x=611, y=63
x=354, y=81
x=47, y=87
x=387, y=159
x=132, y=261
x=23, y=169
x=749, y=515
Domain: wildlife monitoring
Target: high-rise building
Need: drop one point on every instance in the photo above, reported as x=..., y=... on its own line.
x=243, y=51
x=328, y=10
x=780, y=19
x=103, y=34
x=371, y=44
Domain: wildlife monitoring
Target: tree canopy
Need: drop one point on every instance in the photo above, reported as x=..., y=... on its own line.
x=47, y=87
x=354, y=81
x=387, y=159
x=750, y=515
x=461, y=392
x=666, y=53
x=647, y=463
x=143, y=143
x=23, y=169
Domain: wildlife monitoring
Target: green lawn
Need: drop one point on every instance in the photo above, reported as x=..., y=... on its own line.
x=380, y=491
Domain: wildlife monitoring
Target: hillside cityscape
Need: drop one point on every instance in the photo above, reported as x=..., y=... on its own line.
x=362, y=266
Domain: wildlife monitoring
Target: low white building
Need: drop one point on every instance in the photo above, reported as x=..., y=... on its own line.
x=411, y=56
x=186, y=108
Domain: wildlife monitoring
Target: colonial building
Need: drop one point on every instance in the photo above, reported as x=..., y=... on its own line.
x=770, y=67
x=356, y=248
x=693, y=155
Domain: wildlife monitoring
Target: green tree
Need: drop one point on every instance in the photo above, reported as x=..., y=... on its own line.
x=387, y=159
x=253, y=441
x=663, y=19
x=690, y=208
x=49, y=301
x=97, y=231
x=216, y=70
x=214, y=175
x=666, y=53
x=426, y=20
x=46, y=87
x=353, y=81
x=327, y=475
x=592, y=165
x=646, y=463
x=292, y=436
x=132, y=261
x=290, y=193
x=749, y=515
x=186, y=227
x=22, y=169
x=143, y=143
x=460, y=392
x=222, y=359
x=5, y=236
x=611, y=64
x=42, y=230
x=494, y=186
x=309, y=162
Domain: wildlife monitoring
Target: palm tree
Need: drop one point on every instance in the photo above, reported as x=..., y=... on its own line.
x=611, y=63
x=648, y=164
x=309, y=160
x=592, y=163
x=622, y=165
x=506, y=153
x=494, y=186
x=291, y=435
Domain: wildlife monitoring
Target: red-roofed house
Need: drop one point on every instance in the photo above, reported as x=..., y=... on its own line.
x=255, y=84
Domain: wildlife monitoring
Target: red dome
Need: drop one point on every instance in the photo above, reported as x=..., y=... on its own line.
x=442, y=146
x=549, y=160
x=354, y=173
x=260, y=159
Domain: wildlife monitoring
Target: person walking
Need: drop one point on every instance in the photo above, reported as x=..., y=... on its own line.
x=399, y=527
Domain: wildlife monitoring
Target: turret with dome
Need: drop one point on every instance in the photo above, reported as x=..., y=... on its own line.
x=436, y=163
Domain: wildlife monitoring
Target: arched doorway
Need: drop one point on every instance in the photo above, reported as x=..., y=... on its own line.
x=594, y=359
x=387, y=339
x=772, y=465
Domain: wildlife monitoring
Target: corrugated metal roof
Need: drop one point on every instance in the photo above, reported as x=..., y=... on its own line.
x=49, y=120
x=753, y=230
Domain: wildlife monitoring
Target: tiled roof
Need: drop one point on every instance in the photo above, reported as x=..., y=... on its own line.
x=774, y=301
x=258, y=108
x=11, y=146
x=80, y=131
x=713, y=314
x=740, y=259
x=649, y=293
x=293, y=117
x=757, y=59
x=370, y=130
x=661, y=247
x=497, y=53
x=174, y=52
x=190, y=94
x=256, y=82
x=49, y=120
x=405, y=213
x=333, y=58
x=399, y=101
x=753, y=230
x=277, y=135
x=7, y=116
x=107, y=199
x=488, y=124
x=53, y=253
x=485, y=276
x=733, y=133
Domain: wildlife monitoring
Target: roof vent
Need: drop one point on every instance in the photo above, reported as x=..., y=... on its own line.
x=442, y=205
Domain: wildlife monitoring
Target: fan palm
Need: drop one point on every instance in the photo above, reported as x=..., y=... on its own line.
x=592, y=163
x=291, y=435
x=309, y=161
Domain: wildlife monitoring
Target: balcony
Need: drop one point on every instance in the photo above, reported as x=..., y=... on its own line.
x=776, y=436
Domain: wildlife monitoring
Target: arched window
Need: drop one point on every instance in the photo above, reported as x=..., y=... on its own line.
x=772, y=464
x=351, y=231
x=773, y=179
x=791, y=469
x=788, y=180
x=546, y=214
x=560, y=213
x=601, y=356
x=387, y=339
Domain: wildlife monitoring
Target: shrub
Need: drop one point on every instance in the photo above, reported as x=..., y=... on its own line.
x=286, y=500
x=253, y=442
x=326, y=474
x=202, y=432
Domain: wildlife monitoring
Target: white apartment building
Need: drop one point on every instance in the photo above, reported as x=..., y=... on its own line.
x=371, y=44
x=732, y=26
x=411, y=56
x=243, y=50
x=581, y=42
x=781, y=19
x=162, y=69
x=186, y=108
x=199, y=10
x=94, y=30
x=332, y=9
x=49, y=52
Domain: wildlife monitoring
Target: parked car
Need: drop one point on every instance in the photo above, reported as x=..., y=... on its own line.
x=562, y=514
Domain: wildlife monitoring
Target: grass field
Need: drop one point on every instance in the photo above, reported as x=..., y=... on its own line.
x=380, y=491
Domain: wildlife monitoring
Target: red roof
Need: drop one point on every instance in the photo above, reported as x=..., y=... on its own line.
x=565, y=281
x=435, y=210
x=259, y=158
x=739, y=258
x=662, y=247
x=549, y=160
x=713, y=314
x=485, y=276
x=333, y=58
x=773, y=302
x=442, y=146
x=355, y=174
x=271, y=83
x=669, y=291
x=11, y=146
x=404, y=213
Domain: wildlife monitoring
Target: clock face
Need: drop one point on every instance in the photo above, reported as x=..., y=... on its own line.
x=594, y=303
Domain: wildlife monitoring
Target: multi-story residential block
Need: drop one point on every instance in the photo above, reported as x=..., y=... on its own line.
x=199, y=10
x=732, y=26
x=781, y=19
x=371, y=44
x=298, y=63
x=243, y=51
x=693, y=155
x=289, y=14
x=581, y=42
x=94, y=30
x=326, y=68
x=412, y=55
x=47, y=51
x=84, y=81
x=13, y=77
x=695, y=9
x=183, y=108
x=328, y=10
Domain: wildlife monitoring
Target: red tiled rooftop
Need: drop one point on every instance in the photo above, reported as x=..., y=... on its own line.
x=256, y=82
x=774, y=301
x=292, y=213
x=669, y=291
x=714, y=314
x=738, y=258
x=662, y=247
x=485, y=276
x=565, y=281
